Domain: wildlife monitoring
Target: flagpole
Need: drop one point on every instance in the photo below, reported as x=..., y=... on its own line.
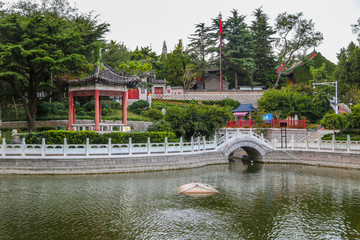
x=220, y=30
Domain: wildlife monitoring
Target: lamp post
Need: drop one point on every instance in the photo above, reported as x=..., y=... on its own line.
x=333, y=84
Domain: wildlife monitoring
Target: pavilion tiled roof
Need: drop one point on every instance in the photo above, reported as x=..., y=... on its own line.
x=244, y=108
x=104, y=74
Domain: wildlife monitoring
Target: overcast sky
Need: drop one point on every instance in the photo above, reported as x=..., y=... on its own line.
x=149, y=22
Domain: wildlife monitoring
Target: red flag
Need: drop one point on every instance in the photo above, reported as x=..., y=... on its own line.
x=221, y=31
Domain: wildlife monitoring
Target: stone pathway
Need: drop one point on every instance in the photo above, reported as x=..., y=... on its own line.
x=318, y=134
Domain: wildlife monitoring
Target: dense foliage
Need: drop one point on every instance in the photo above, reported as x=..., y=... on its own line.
x=57, y=137
x=196, y=121
x=139, y=106
x=287, y=101
x=347, y=73
x=39, y=42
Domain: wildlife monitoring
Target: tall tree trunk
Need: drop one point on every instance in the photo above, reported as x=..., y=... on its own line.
x=236, y=81
x=30, y=116
x=16, y=111
x=277, y=81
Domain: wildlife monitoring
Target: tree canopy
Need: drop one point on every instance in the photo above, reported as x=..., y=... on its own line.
x=41, y=42
x=296, y=35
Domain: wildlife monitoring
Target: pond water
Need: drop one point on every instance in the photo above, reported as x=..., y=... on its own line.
x=255, y=202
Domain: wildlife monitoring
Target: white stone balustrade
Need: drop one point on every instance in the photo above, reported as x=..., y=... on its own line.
x=104, y=127
x=109, y=149
x=148, y=148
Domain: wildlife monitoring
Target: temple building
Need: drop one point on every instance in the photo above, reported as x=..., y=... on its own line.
x=288, y=72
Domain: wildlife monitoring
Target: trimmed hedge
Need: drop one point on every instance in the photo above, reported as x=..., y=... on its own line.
x=72, y=137
x=342, y=136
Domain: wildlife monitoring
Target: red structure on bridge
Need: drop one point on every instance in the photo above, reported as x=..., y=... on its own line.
x=275, y=123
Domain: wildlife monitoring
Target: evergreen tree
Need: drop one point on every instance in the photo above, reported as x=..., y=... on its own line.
x=356, y=28
x=163, y=55
x=347, y=72
x=262, y=32
x=239, y=48
x=198, y=49
x=175, y=65
x=114, y=53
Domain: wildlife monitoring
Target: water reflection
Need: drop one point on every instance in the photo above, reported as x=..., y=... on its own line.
x=256, y=201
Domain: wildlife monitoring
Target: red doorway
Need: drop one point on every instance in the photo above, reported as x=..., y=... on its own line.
x=133, y=93
x=159, y=90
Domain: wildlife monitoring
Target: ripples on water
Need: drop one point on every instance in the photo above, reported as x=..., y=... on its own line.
x=256, y=202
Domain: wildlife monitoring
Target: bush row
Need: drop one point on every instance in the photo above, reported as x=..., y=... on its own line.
x=354, y=136
x=72, y=137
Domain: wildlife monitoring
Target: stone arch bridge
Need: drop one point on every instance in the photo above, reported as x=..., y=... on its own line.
x=256, y=146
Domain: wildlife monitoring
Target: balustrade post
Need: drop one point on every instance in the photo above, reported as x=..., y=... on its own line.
x=87, y=147
x=215, y=142
x=250, y=133
x=198, y=143
x=262, y=137
x=292, y=141
x=333, y=142
x=192, y=144
x=204, y=140
x=225, y=136
x=65, y=147
x=275, y=143
x=319, y=142
x=348, y=142
x=130, y=146
x=43, y=146
x=23, y=147
x=166, y=145
x=306, y=142
x=109, y=147
x=181, y=145
x=3, y=147
x=237, y=132
x=148, y=146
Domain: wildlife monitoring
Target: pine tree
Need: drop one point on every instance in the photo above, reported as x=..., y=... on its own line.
x=175, y=65
x=262, y=33
x=199, y=47
x=238, y=48
x=163, y=55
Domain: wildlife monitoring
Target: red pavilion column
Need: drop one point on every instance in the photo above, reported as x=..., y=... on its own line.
x=71, y=111
x=124, y=108
x=74, y=110
x=97, y=111
x=100, y=110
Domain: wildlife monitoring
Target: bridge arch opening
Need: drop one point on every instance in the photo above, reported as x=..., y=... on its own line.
x=246, y=154
x=254, y=149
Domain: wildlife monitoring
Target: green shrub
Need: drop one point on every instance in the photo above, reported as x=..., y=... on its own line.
x=227, y=102
x=104, y=105
x=153, y=113
x=161, y=126
x=81, y=113
x=138, y=106
x=89, y=106
x=57, y=137
x=116, y=105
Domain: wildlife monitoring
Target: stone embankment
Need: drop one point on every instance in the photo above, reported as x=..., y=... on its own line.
x=114, y=164
x=314, y=158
